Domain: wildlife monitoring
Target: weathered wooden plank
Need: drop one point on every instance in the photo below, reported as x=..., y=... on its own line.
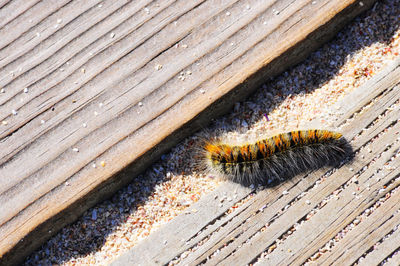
x=260, y=200
x=237, y=232
x=105, y=84
x=182, y=233
x=387, y=78
x=11, y=10
x=382, y=221
x=323, y=225
x=300, y=209
x=230, y=232
x=394, y=260
x=249, y=229
x=385, y=249
x=4, y=2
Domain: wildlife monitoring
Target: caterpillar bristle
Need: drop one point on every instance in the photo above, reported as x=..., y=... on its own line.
x=278, y=158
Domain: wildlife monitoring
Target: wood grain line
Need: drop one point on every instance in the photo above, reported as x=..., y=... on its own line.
x=10, y=11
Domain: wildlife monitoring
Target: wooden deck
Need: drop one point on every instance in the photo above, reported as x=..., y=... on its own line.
x=90, y=89
x=294, y=221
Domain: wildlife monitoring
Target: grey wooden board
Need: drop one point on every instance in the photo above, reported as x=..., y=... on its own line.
x=373, y=88
x=378, y=224
x=104, y=83
x=334, y=216
x=387, y=247
x=394, y=261
x=297, y=211
x=228, y=233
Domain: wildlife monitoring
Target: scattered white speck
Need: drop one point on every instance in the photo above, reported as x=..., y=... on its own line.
x=202, y=91
x=75, y=149
x=61, y=69
x=42, y=121
x=112, y=35
x=101, y=105
x=361, y=4
x=14, y=112
x=140, y=104
x=228, y=13
x=232, y=44
x=59, y=20
x=165, y=242
x=95, y=113
x=99, y=5
x=4, y=122
x=30, y=21
x=37, y=34
x=67, y=183
x=184, y=45
x=285, y=192
x=26, y=90
x=83, y=70
x=56, y=26
x=94, y=165
x=84, y=125
x=313, y=2
x=247, y=7
x=277, y=12
x=147, y=10
x=351, y=169
x=2, y=90
x=265, y=23
x=158, y=67
x=188, y=72
x=308, y=202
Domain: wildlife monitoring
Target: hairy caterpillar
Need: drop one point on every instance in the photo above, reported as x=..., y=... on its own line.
x=277, y=158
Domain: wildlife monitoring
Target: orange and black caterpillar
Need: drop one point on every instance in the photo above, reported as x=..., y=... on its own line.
x=276, y=158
